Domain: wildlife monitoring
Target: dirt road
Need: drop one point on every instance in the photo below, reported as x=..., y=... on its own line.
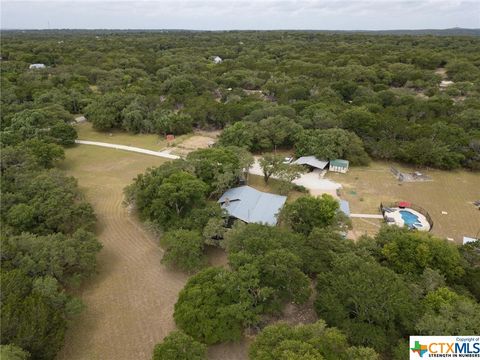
x=165, y=154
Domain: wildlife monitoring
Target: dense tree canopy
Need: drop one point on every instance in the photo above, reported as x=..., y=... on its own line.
x=179, y=346
x=380, y=93
x=448, y=313
x=12, y=352
x=46, y=239
x=412, y=252
x=215, y=306
x=34, y=313
x=272, y=254
x=351, y=294
x=331, y=144
x=308, y=212
x=183, y=249
x=312, y=341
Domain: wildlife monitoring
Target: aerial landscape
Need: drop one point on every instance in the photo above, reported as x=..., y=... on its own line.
x=211, y=187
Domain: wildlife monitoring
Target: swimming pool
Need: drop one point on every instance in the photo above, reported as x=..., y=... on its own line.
x=410, y=219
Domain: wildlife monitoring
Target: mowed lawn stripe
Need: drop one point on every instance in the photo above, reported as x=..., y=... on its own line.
x=130, y=302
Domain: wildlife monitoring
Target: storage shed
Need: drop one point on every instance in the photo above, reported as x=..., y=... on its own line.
x=339, y=165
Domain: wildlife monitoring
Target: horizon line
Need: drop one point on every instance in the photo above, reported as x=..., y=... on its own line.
x=252, y=29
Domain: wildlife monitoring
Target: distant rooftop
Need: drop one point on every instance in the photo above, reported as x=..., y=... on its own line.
x=252, y=206
x=467, y=240
x=37, y=66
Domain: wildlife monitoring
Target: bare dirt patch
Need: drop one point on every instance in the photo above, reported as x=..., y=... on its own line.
x=201, y=140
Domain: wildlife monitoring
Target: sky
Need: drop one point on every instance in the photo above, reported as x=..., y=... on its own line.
x=240, y=14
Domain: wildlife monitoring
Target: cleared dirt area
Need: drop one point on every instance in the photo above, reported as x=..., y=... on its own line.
x=199, y=140
x=130, y=302
x=449, y=191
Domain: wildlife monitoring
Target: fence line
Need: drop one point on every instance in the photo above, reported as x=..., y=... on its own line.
x=413, y=207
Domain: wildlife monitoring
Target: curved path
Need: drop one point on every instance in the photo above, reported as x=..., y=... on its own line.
x=165, y=154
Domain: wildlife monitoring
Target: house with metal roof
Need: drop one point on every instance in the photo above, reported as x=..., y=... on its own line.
x=312, y=162
x=339, y=165
x=252, y=206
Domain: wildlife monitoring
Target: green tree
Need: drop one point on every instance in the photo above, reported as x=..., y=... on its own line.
x=105, y=112
x=308, y=212
x=183, y=249
x=274, y=165
x=176, y=197
x=276, y=131
x=12, y=352
x=331, y=144
x=471, y=263
x=319, y=116
x=45, y=153
x=63, y=134
x=179, y=346
x=448, y=313
x=241, y=134
x=272, y=254
x=68, y=259
x=350, y=294
x=29, y=320
x=168, y=122
x=218, y=167
x=215, y=305
x=312, y=341
x=270, y=165
x=47, y=201
x=320, y=248
x=411, y=253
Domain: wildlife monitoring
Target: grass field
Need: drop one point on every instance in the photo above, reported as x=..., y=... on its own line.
x=146, y=141
x=130, y=301
x=129, y=304
x=450, y=191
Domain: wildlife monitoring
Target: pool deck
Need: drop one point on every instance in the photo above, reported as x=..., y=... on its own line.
x=398, y=220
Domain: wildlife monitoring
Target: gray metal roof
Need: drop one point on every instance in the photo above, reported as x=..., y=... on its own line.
x=311, y=161
x=252, y=206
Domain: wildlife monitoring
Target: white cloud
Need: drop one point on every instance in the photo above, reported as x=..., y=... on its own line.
x=241, y=14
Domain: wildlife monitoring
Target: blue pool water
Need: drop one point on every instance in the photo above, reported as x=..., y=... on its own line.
x=409, y=218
